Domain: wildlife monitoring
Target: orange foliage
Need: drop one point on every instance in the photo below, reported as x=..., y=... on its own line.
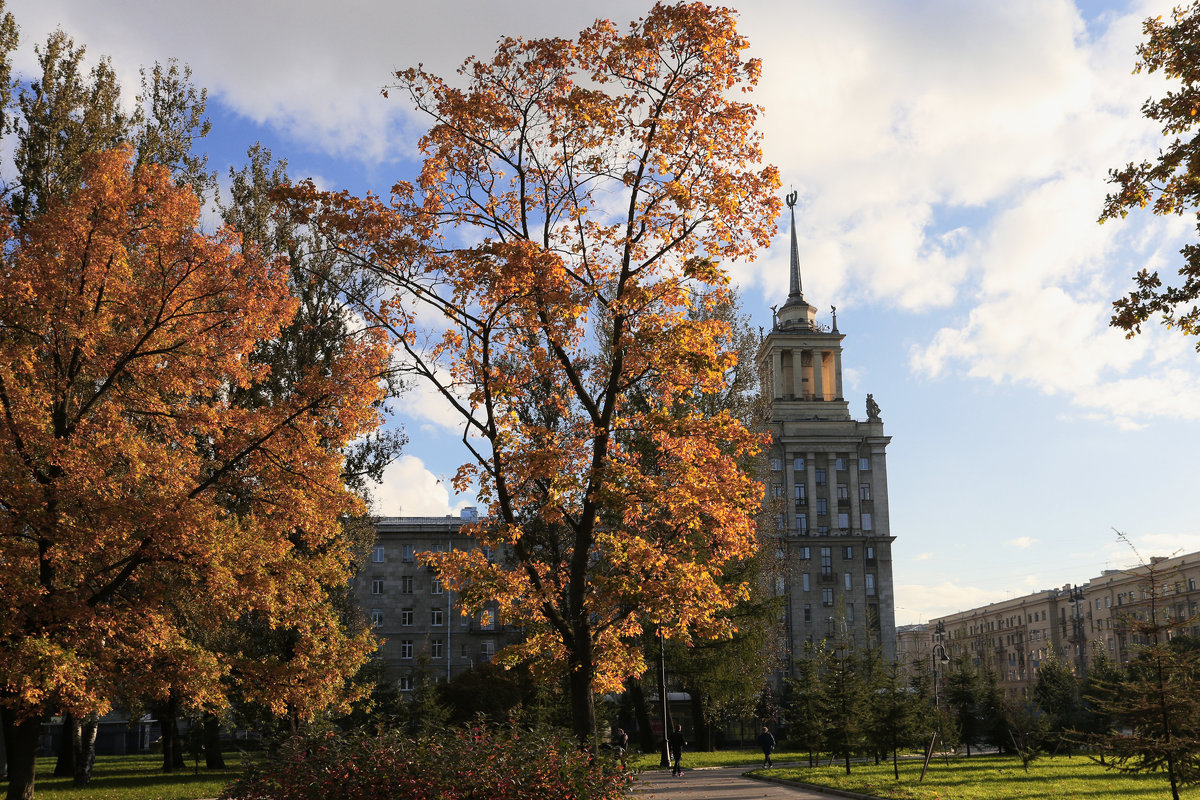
x=140, y=508
x=574, y=200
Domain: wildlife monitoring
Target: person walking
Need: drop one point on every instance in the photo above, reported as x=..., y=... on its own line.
x=621, y=743
x=677, y=743
x=767, y=742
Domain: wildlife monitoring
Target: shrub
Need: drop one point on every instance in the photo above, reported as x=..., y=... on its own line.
x=469, y=763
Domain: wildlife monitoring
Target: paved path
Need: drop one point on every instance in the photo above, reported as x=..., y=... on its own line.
x=717, y=783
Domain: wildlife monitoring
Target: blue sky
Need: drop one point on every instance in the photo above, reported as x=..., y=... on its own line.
x=950, y=160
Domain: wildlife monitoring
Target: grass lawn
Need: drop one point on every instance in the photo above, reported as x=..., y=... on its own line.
x=134, y=778
x=987, y=778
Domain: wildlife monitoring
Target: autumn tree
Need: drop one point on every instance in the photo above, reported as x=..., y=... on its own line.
x=575, y=198
x=1169, y=184
x=123, y=336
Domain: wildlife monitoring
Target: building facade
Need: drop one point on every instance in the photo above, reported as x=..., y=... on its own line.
x=826, y=484
x=422, y=630
x=1074, y=624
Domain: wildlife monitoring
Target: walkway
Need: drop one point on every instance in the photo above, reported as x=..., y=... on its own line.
x=719, y=783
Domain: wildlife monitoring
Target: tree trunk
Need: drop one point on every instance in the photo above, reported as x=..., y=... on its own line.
x=583, y=712
x=703, y=732
x=85, y=749
x=642, y=714
x=3, y=759
x=212, y=742
x=64, y=767
x=20, y=744
x=168, y=725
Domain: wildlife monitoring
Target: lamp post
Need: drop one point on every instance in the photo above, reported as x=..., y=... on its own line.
x=1076, y=600
x=665, y=761
x=939, y=631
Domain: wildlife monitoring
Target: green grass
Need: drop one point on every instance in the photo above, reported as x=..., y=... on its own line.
x=987, y=778
x=134, y=778
x=722, y=758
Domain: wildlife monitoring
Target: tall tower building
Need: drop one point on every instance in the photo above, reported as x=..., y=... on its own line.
x=827, y=482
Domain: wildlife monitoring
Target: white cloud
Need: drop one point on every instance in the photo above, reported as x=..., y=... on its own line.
x=921, y=602
x=1022, y=542
x=409, y=489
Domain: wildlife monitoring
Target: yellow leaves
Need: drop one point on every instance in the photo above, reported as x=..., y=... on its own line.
x=135, y=485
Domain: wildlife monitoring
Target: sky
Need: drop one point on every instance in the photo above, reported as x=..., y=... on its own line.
x=951, y=162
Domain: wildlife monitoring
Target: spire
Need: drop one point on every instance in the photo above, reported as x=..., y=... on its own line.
x=795, y=291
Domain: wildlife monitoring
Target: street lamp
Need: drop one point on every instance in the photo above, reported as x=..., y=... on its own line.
x=665, y=761
x=938, y=633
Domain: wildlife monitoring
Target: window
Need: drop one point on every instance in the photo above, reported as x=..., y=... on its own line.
x=776, y=464
x=406, y=553
x=377, y=554
x=406, y=683
x=798, y=464
x=436, y=648
x=848, y=581
x=780, y=587
x=844, y=521
x=376, y=617
x=822, y=530
x=870, y=552
x=406, y=584
x=803, y=524
x=377, y=586
x=438, y=548
x=850, y=613
x=801, y=494
x=808, y=612
x=864, y=491
x=847, y=552
x=822, y=506
x=406, y=648
x=827, y=598
x=406, y=616
x=869, y=581
x=804, y=581
x=776, y=491
x=1191, y=584
x=820, y=475
x=864, y=465
x=866, y=521
x=435, y=586
x=487, y=649
x=839, y=464
x=488, y=554
x=843, y=492
x=437, y=618
x=465, y=651
x=804, y=553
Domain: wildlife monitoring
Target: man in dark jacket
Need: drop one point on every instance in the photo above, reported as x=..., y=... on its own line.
x=676, y=741
x=767, y=742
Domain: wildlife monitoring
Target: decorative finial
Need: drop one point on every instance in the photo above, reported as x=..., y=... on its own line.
x=791, y=202
x=835, y=330
x=795, y=290
x=774, y=323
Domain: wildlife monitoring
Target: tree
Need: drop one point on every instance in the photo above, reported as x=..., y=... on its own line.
x=805, y=702
x=1056, y=693
x=962, y=698
x=1158, y=704
x=1169, y=184
x=900, y=717
x=123, y=335
x=572, y=203
x=847, y=696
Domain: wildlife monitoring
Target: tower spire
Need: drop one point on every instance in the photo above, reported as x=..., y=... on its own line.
x=795, y=290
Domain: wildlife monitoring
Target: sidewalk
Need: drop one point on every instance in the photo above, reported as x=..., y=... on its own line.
x=722, y=783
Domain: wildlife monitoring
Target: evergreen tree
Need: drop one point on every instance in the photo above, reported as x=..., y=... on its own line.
x=1056, y=693
x=1157, y=708
x=805, y=703
x=900, y=716
x=962, y=700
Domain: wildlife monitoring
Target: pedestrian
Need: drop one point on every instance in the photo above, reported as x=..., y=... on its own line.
x=621, y=743
x=677, y=744
x=767, y=742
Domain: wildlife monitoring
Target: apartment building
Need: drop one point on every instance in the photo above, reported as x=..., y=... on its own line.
x=420, y=626
x=1073, y=624
x=827, y=483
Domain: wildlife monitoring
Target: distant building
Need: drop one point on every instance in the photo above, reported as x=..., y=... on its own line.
x=826, y=484
x=1074, y=624
x=417, y=618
